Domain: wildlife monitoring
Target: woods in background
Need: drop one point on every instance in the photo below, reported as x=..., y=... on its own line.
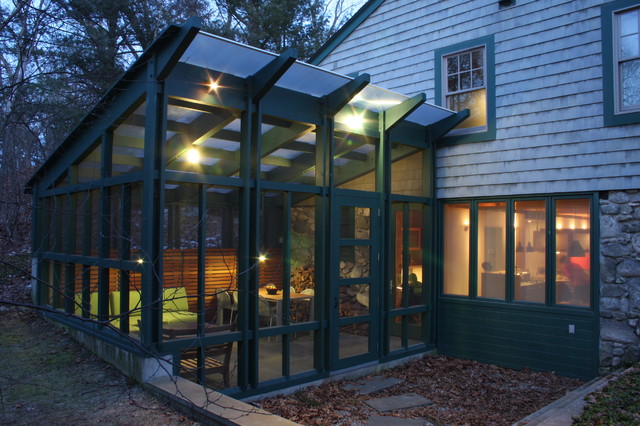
x=58, y=57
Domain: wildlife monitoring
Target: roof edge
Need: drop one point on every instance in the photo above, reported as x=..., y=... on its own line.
x=345, y=31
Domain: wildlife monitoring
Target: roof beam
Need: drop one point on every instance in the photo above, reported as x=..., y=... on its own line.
x=394, y=115
x=267, y=77
x=176, y=46
x=340, y=97
x=280, y=137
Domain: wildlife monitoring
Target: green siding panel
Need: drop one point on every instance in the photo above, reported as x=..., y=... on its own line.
x=520, y=336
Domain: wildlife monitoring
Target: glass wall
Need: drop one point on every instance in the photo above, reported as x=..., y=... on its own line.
x=407, y=172
x=511, y=256
x=456, y=249
x=288, y=151
x=529, y=225
x=492, y=254
x=573, y=252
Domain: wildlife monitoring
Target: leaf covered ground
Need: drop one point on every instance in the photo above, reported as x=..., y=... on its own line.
x=462, y=392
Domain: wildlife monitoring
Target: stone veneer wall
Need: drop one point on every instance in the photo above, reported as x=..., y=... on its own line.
x=619, y=279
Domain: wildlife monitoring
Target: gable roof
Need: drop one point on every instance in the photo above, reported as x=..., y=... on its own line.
x=345, y=31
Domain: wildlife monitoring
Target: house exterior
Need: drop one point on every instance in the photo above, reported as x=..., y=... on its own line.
x=539, y=189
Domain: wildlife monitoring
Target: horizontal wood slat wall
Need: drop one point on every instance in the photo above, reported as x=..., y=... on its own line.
x=181, y=270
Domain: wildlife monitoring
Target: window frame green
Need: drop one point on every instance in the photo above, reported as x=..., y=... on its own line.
x=550, y=242
x=488, y=42
x=610, y=88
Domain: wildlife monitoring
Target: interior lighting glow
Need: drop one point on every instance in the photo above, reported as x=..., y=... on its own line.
x=213, y=86
x=354, y=121
x=193, y=156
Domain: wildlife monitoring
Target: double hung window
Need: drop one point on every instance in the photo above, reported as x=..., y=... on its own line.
x=465, y=79
x=627, y=59
x=466, y=87
x=621, y=62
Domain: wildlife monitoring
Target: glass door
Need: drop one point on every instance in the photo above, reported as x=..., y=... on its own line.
x=354, y=279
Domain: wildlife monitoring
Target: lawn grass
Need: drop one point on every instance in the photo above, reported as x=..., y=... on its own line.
x=617, y=403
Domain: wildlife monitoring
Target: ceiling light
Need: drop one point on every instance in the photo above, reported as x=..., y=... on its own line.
x=193, y=156
x=213, y=85
x=354, y=121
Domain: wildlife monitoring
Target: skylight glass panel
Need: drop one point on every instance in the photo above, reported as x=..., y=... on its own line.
x=221, y=144
x=130, y=131
x=286, y=153
x=182, y=115
x=229, y=57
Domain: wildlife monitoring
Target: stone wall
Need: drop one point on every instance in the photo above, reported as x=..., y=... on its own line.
x=619, y=279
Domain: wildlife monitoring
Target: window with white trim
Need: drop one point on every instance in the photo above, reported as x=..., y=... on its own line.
x=627, y=60
x=465, y=86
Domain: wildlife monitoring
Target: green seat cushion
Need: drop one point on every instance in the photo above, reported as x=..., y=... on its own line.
x=93, y=304
x=175, y=299
x=134, y=303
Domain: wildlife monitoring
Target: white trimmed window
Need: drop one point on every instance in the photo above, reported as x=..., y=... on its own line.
x=465, y=86
x=627, y=60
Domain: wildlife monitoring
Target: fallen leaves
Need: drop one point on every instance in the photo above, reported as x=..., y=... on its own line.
x=463, y=392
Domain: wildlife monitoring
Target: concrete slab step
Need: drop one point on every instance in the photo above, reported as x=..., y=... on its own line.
x=377, y=420
x=398, y=402
x=376, y=384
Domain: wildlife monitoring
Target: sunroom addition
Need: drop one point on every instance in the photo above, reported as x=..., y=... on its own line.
x=255, y=220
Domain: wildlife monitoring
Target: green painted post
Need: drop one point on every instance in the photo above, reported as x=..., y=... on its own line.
x=242, y=282
x=152, y=208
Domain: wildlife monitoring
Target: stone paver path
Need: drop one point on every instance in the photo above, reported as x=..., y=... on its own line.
x=376, y=384
x=398, y=402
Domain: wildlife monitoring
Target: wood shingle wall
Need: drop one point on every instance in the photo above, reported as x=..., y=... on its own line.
x=550, y=132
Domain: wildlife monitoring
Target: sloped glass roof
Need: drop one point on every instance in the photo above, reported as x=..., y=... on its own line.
x=219, y=54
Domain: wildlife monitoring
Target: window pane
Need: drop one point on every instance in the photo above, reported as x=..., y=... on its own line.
x=288, y=151
x=477, y=78
x=530, y=228
x=407, y=177
x=491, y=249
x=354, y=261
x=452, y=65
x=128, y=143
x=629, y=46
x=411, y=280
x=629, y=23
x=477, y=59
x=456, y=249
x=573, y=283
x=476, y=102
x=204, y=140
x=355, y=222
x=452, y=83
x=631, y=83
x=465, y=80
x=465, y=61
x=354, y=161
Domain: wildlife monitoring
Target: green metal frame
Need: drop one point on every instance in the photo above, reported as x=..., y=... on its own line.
x=157, y=81
x=476, y=306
